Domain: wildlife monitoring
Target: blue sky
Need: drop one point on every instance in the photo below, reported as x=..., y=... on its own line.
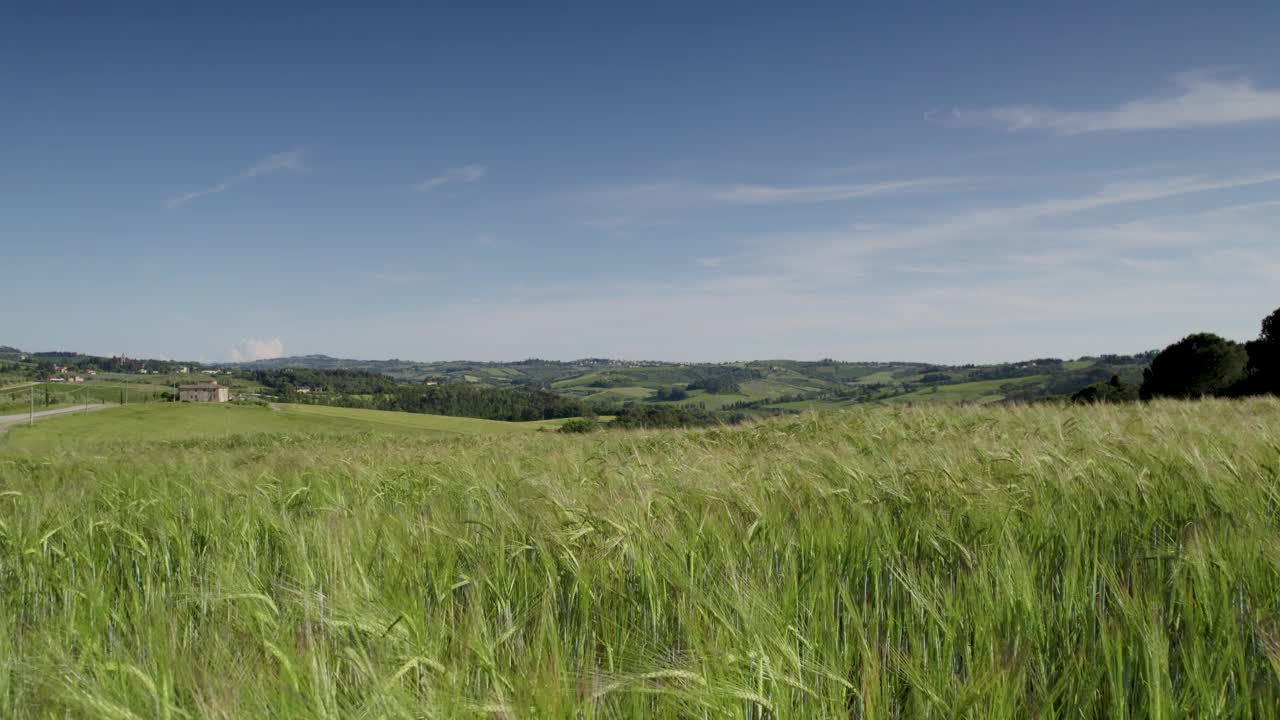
x=944, y=182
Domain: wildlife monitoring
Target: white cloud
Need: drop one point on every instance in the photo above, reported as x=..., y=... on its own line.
x=1200, y=99
x=464, y=174
x=250, y=349
x=291, y=160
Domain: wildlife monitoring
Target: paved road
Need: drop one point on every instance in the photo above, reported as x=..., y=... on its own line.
x=16, y=419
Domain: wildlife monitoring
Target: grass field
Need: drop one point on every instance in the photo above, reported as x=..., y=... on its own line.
x=216, y=425
x=378, y=419
x=49, y=396
x=975, y=392
x=236, y=384
x=1010, y=562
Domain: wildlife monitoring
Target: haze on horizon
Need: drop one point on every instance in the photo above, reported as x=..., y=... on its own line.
x=967, y=184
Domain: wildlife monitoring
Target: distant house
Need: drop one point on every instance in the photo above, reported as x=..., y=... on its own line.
x=184, y=370
x=75, y=379
x=90, y=372
x=203, y=392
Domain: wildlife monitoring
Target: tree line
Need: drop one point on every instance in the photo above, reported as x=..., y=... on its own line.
x=372, y=391
x=343, y=382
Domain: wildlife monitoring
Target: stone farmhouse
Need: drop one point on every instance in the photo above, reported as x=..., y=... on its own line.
x=203, y=392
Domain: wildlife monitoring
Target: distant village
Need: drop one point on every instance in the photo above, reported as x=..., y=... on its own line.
x=71, y=374
x=73, y=369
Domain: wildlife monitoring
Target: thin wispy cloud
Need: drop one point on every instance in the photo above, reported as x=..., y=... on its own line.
x=188, y=197
x=835, y=255
x=464, y=174
x=291, y=160
x=684, y=194
x=1198, y=99
x=829, y=249
x=773, y=194
x=1118, y=193
x=1036, y=278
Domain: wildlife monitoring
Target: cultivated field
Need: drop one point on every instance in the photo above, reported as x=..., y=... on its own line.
x=1092, y=561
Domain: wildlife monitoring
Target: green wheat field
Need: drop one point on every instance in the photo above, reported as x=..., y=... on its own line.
x=1002, y=562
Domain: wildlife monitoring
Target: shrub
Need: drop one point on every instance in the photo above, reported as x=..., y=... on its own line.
x=580, y=425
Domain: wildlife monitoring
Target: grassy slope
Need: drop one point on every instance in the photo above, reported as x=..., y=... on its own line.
x=778, y=383
x=618, y=394
x=815, y=405
x=65, y=394
x=182, y=422
x=236, y=384
x=927, y=562
x=420, y=421
x=977, y=391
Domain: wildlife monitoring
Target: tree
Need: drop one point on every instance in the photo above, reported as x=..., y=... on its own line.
x=716, y=385
x=1195, y=366
x=670, y=394
x=1264, y=355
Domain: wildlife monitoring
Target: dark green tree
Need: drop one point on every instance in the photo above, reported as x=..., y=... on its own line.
x=670, y=394
x=1264, y=356
x=1195, y=366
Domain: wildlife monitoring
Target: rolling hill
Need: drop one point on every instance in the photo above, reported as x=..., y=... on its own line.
x=759, y=384
x=770, y=385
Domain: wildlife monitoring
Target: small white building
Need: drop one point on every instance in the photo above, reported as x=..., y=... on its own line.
x=203, y=392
